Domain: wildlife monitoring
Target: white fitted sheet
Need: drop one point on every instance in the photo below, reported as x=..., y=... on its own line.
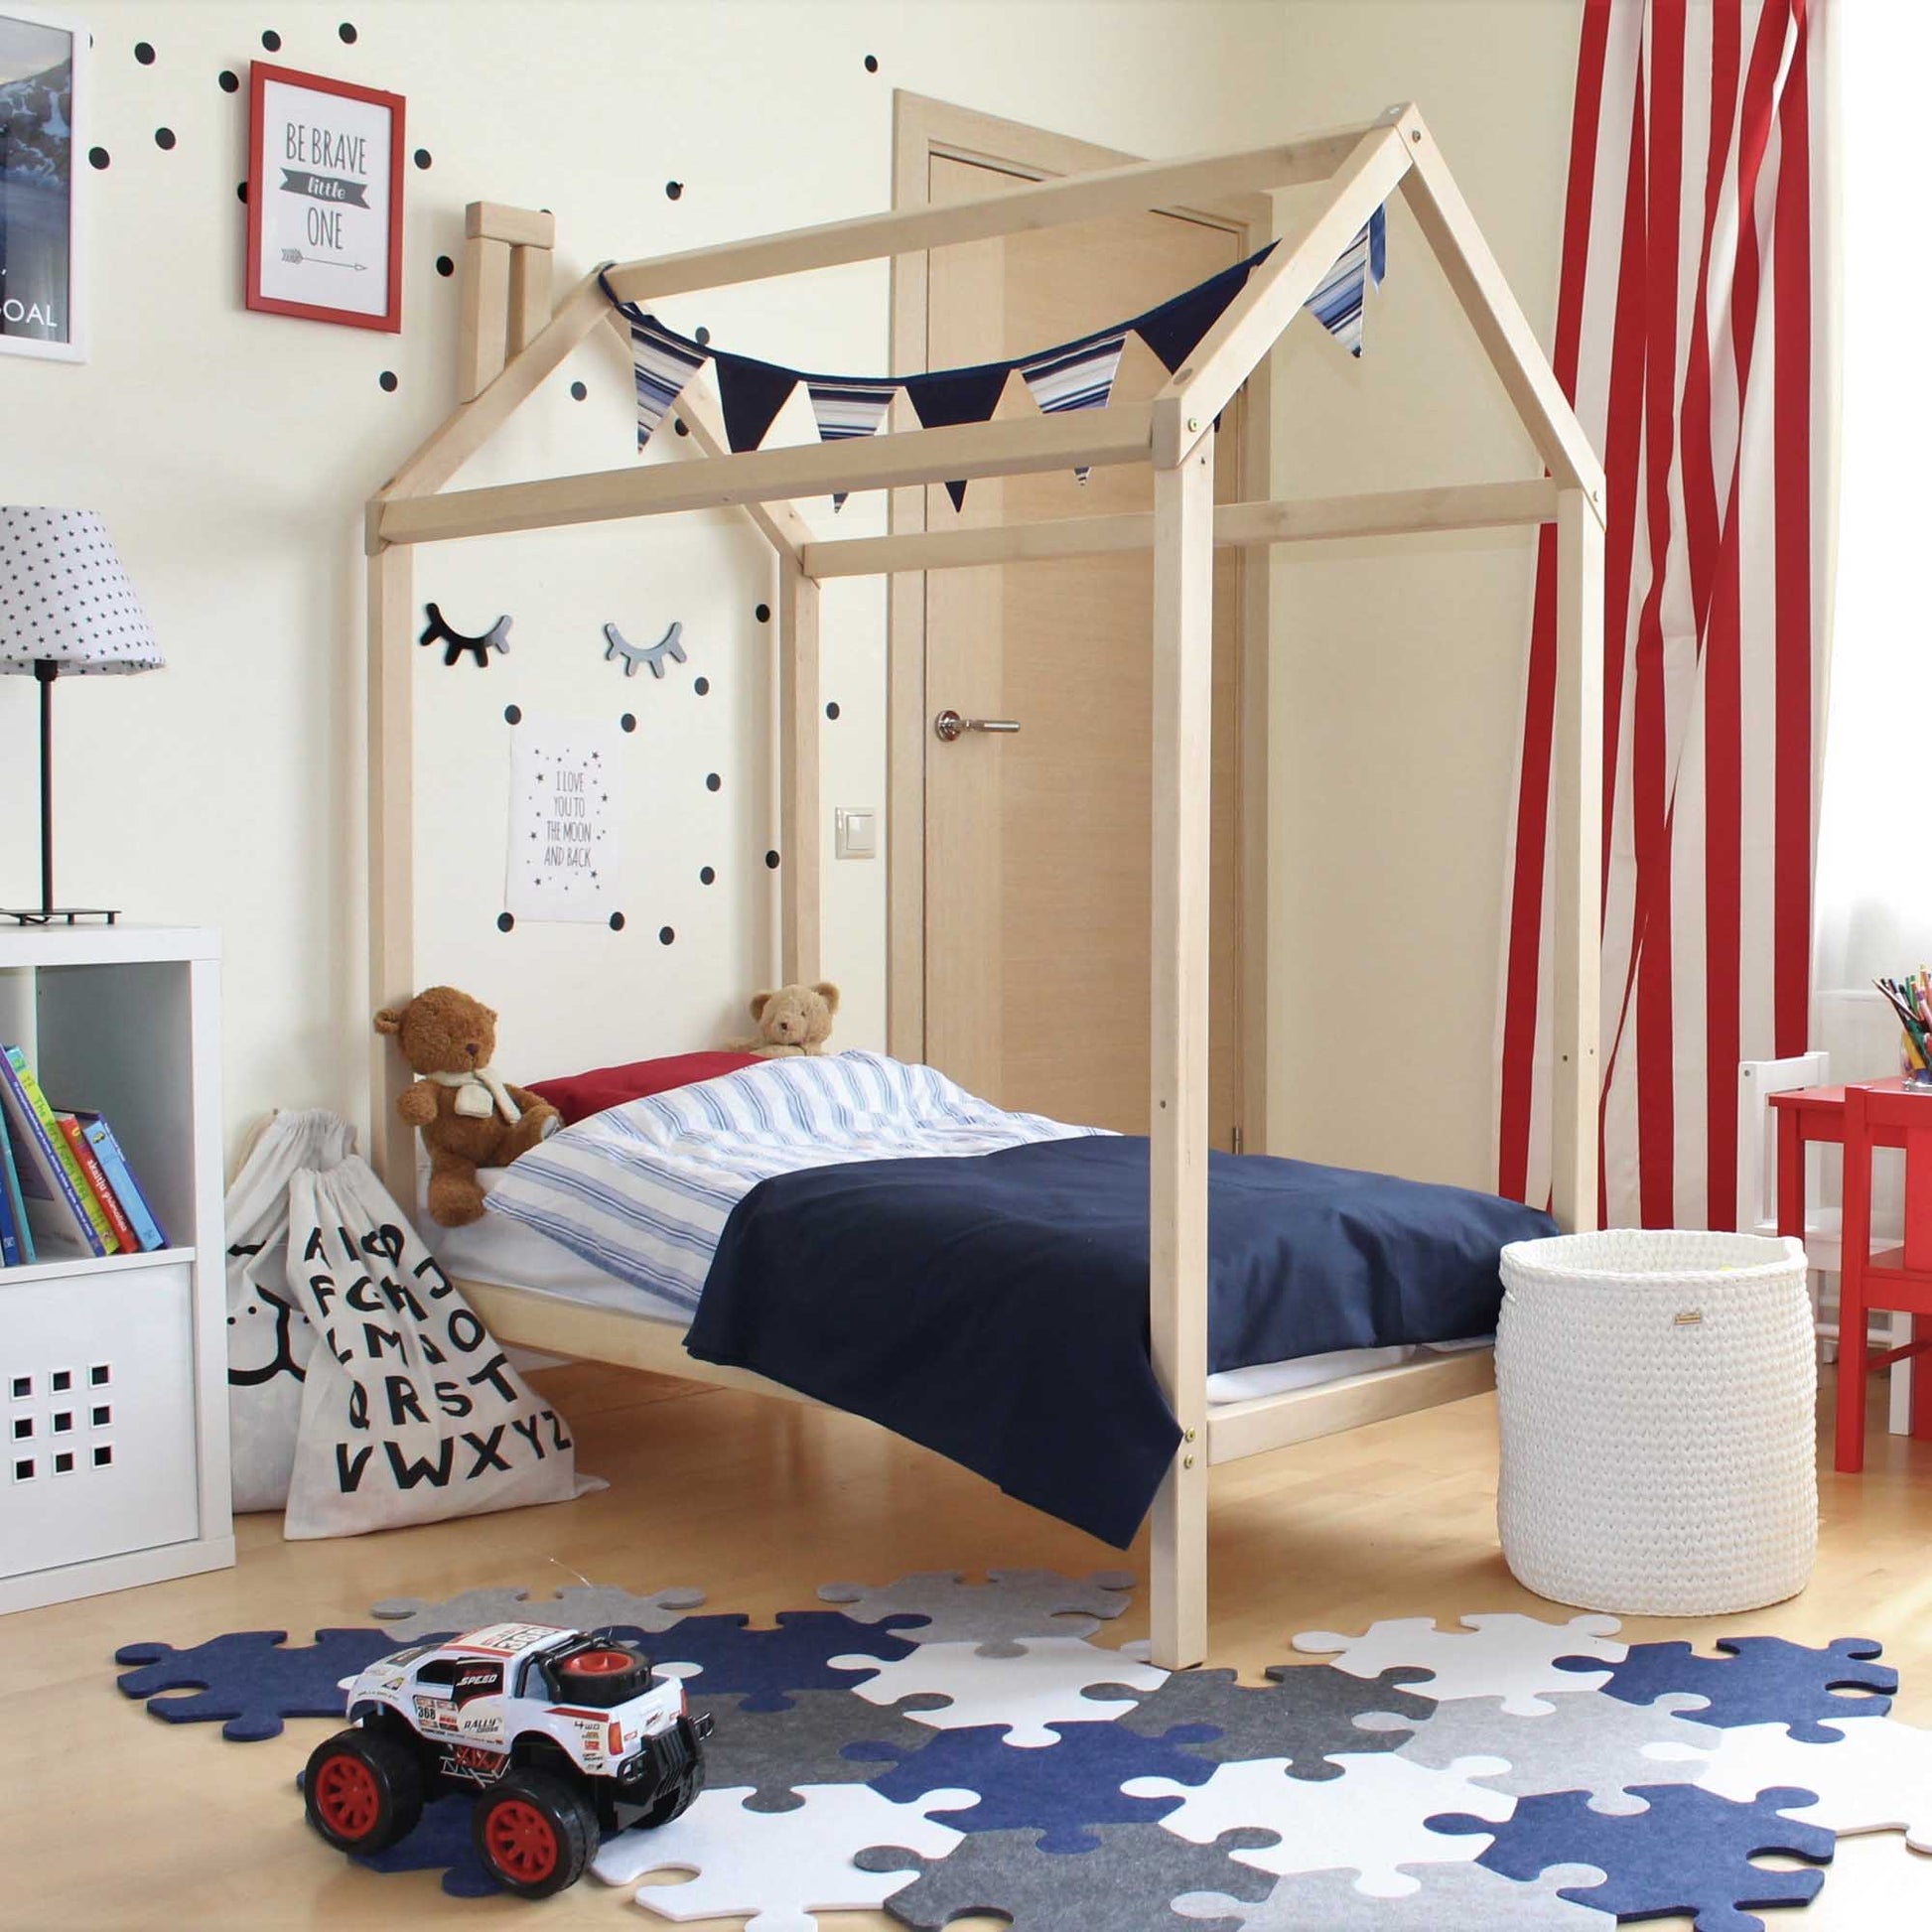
x=497, y=1249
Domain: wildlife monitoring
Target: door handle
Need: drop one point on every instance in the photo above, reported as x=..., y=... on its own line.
x=949, y=724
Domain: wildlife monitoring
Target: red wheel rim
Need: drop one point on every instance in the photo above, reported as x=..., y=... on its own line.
x=522, y=1841
x=348, y=1798
x=599, y=1663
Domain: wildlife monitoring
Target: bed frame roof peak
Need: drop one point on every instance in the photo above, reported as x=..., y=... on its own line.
x=1360, y=166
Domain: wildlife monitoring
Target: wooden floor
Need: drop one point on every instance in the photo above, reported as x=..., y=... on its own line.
x=111, y=1819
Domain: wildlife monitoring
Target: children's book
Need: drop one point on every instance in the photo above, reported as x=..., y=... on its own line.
x=53, y=1207
x=97, y=1186
x=9, y=1240
x=105, y=1241
x=148, y=1231
x=10, y=1185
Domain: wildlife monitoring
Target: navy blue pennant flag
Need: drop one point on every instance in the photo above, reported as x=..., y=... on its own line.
x=1174, y=329
x=949, y=396
x=753, y=394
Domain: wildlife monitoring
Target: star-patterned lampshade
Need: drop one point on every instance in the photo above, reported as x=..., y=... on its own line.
x=65, y=596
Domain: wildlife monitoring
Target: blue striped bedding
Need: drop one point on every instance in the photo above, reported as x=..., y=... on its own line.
x=643, y=1192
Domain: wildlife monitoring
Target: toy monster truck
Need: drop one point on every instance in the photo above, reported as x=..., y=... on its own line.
x=563, y=1736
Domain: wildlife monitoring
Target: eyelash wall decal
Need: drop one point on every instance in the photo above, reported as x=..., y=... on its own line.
x=615, y=647
x=438, y=632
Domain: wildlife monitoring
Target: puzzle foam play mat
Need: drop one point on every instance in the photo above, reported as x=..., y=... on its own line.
x=938, y=1747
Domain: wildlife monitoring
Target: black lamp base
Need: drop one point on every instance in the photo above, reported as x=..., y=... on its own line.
x=58, y=914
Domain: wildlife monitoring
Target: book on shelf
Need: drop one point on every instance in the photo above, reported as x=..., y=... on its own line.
x=89, y=1161
x=146, y=1227
x=53, y=1207
x=10, y=1256
x=16, y=1201
x=106, y=1241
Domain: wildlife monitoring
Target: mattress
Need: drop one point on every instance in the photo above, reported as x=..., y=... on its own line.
x=497, y=1249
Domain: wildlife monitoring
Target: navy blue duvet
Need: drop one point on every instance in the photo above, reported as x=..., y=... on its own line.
x=994, y=1307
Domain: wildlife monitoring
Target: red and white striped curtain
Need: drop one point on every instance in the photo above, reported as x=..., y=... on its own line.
x=1693, y=335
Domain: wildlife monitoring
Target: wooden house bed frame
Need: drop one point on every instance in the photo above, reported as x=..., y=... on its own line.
x=513, y=339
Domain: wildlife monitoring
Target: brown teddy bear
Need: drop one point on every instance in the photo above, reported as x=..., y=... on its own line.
x=792, y=1020
x=469, y=1117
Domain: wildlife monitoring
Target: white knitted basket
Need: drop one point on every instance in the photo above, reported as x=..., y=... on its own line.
x=1657, y=1392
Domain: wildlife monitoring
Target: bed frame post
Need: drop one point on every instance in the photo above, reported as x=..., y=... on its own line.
x=799, y=868
x=1183, y=691
x=391, y=834
x=1578, y=791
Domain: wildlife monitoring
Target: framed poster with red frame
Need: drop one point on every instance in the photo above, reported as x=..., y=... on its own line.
x=324, y=198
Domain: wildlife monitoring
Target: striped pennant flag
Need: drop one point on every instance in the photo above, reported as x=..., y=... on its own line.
x=1691, y=324
x=1337, y=303
x=665, y=364
x=845, y=406
x=1078, y=377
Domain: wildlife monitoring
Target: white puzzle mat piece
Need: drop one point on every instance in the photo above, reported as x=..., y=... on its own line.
x=1879, y=1779
x=778, y=1867
x=1592, y=1742
x=1500, y=1654
x=1041, y=1684
x=1369, y=1821
x=1451, y=1899
x=578, y=1606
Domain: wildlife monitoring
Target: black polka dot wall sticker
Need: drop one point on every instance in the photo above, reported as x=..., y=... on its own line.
x=627, y=722
x=422, y=158
x=674, y=191
x=616, y=921
x=871, y=63
x=346, y=32
x=665, y=936
x=228, y=80
x=707, y=876
x=144, y=53
x=272, y=40
x=832, y=710
x=513, y=714
x=505, y=921
x=762, y=614
x=241, y=191
x=681, y=426
x=386, y=381
x=98, y=157
x=578, y=392
x=445, y=266
x=712, y=781
x=701, y=336
x=164, y=138
x=702, y=686
x=771, y=862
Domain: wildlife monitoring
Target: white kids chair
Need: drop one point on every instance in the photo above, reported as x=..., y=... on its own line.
x=1757, y=1206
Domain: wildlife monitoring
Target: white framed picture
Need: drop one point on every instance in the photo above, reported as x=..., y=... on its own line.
x=44, y=58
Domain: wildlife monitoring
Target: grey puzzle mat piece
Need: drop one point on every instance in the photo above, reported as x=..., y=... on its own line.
x=1589, y=1742
x=1010, y=1606
x=1123, y=1886
x=777, y=1750
x=580, y=1606
x=1310, y=1711
x=1452, y=1898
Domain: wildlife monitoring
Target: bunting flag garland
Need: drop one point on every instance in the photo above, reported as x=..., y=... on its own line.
x=1074, y=375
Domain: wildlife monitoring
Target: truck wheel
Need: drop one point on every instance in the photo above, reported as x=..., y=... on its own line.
x=362, y=1791
x=675, y=1800
x=604, y=1676
x=534, y=1833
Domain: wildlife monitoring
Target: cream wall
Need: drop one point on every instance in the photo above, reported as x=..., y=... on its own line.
x=231, y=452
x=1398, y=666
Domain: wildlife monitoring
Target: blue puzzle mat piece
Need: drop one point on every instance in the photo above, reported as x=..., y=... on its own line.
x=762, y=1667
x=251, y=1678
x=441, y=1842
x=1058, y=1790
x=1759, y=1680
x=1691, y=1851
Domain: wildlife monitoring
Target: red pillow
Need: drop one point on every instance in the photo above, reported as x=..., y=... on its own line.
x=582, y=1094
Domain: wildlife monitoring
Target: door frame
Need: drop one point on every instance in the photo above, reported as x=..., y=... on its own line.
x=925, y=128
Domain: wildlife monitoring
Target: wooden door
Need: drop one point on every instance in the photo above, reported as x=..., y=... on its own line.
x=1037, y=890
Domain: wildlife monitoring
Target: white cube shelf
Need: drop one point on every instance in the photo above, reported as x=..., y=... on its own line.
x=114, y=1373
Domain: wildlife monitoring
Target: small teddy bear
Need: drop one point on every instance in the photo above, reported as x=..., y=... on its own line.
x=792, y=1020
x=469, y=1118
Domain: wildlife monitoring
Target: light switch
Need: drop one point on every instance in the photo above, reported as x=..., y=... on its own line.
x=855, y=831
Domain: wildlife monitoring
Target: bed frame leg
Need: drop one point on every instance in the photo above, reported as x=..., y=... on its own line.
x=1183, y=682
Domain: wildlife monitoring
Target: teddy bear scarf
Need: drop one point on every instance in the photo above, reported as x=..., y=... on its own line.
x=479, y=1093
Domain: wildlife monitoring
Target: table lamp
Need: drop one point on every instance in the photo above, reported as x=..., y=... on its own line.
x=66, y=607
